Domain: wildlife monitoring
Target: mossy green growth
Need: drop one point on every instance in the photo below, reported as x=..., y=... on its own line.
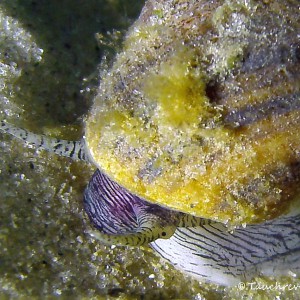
x=179, y=91
x=158, y=12
x=232, y=21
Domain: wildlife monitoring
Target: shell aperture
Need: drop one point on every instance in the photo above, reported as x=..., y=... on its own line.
x=123, y=218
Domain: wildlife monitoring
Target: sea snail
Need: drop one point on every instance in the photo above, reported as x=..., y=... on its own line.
x=195, y=136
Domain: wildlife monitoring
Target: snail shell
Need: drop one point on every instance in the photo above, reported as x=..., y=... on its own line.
x=208, y=125
x=200, y=113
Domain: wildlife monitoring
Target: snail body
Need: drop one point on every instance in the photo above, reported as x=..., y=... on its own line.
x=200, y=247
x=195, y=137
